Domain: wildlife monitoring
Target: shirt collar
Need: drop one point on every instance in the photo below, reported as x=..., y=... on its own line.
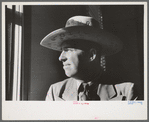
x=79, y=83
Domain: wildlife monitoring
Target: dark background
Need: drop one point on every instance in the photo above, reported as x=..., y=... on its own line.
x=41, y=65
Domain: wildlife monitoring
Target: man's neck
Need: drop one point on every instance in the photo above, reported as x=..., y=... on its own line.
x=87, y=79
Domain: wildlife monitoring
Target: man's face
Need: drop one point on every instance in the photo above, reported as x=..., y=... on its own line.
x=74, y=60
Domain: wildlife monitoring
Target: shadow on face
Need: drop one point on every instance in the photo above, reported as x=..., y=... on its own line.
x=78, y=56
x=84, y=45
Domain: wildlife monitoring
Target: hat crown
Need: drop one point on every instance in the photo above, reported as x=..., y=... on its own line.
x=86, y=28
x=82, y=21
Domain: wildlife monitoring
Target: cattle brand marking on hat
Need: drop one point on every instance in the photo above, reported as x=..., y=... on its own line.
x=54, y=38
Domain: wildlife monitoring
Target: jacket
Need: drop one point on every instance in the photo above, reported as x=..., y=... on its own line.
x=67, y=91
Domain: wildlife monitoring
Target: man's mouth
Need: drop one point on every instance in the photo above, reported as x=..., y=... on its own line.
x=66, y=65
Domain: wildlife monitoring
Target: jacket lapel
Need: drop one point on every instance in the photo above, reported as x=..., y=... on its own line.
x=106, y=92
x=70, y=92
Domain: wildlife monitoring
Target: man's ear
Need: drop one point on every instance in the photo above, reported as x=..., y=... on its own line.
x=92, y=54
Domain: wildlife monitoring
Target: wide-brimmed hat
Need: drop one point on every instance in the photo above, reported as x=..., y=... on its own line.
x=85, y=28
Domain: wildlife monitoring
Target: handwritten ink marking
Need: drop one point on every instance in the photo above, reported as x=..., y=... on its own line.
x=96, y=118
x=134, y=102
x=76, y=102
x=140, y=103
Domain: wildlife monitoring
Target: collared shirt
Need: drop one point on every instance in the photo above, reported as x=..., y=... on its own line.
x=79, y=83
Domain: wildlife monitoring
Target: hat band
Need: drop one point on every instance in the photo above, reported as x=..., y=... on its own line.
x=72, y=22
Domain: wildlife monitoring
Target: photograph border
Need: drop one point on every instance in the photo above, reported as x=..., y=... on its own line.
x=22, y=108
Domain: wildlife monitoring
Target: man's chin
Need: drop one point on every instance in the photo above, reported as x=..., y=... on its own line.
x=68, y=74
x=72, y=76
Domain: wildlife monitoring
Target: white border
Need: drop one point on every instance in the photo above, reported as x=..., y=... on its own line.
x=74, y=3
x=31, y=110
x=3, y=53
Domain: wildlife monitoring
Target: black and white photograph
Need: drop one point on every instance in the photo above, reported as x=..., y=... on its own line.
x=89, y=57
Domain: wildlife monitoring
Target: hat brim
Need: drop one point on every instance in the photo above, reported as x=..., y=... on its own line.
x=110, y=44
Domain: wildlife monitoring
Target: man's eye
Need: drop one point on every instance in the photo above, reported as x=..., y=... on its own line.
x=65, y=49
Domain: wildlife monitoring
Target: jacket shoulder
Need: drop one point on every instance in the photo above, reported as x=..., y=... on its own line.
x=126, y=89
x=56, y=89
x=59, y=86
x=124, y=86
x=121, y=91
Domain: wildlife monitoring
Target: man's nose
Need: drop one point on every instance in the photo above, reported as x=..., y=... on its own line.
x=62, y=57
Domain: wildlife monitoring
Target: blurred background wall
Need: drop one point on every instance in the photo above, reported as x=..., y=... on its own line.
x=42, y=67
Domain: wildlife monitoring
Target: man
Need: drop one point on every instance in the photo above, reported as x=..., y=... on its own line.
x=83, y=44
